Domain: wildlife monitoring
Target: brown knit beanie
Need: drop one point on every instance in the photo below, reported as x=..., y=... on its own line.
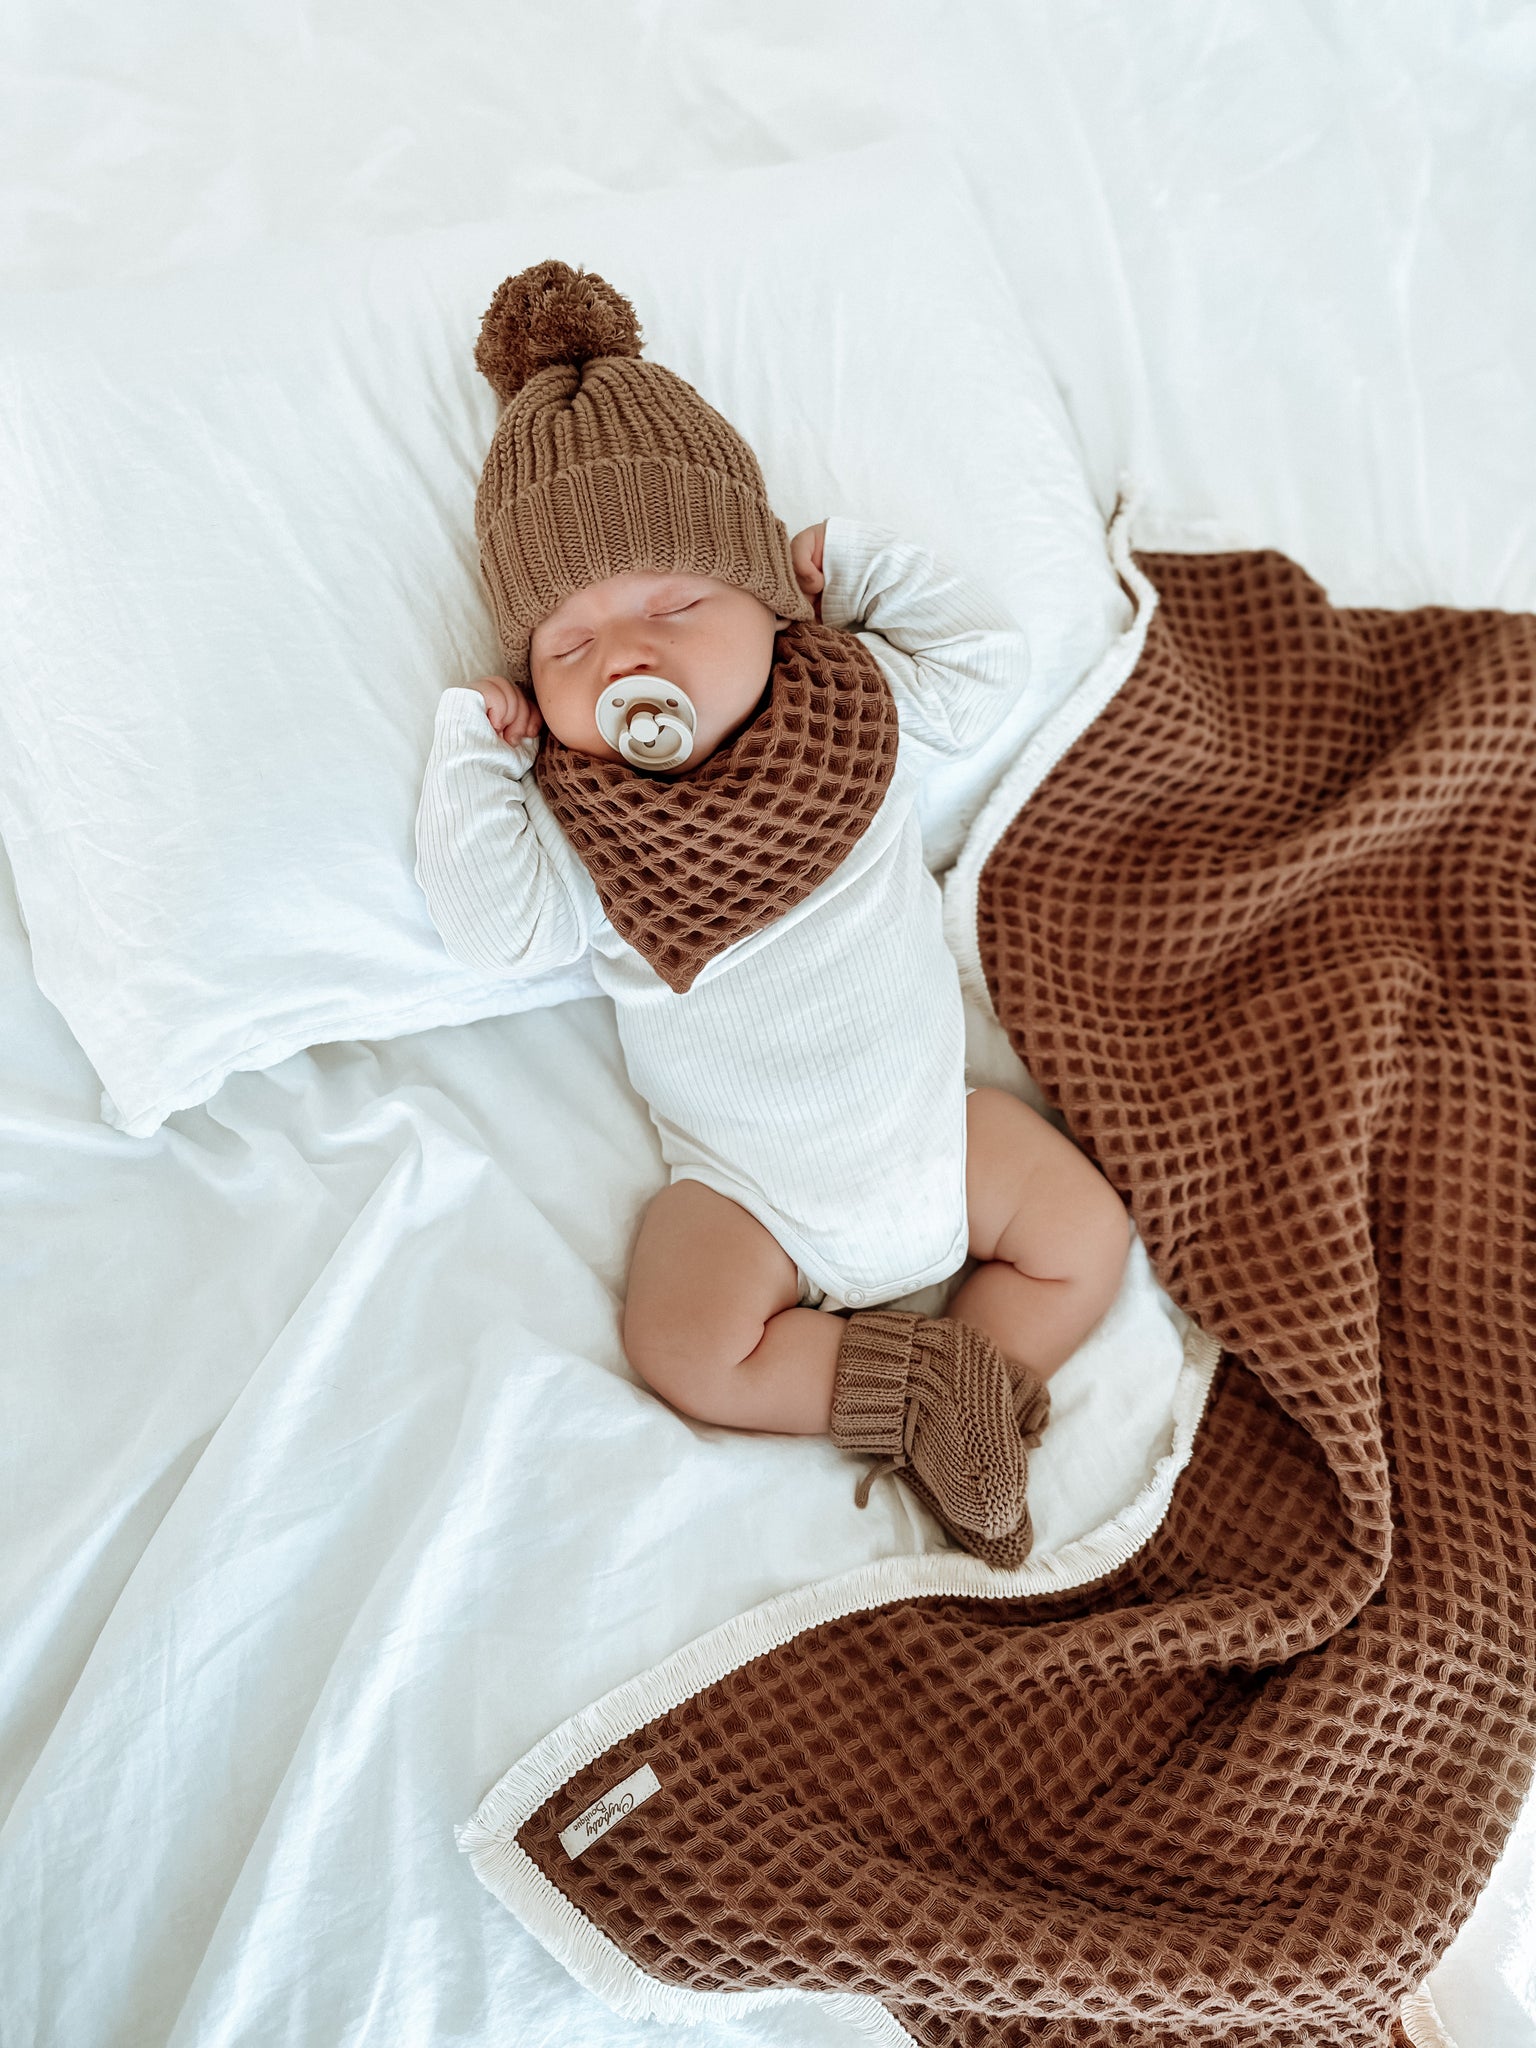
x=602, y=463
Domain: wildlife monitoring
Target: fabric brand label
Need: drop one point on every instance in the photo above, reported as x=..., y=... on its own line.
x=601, y=1815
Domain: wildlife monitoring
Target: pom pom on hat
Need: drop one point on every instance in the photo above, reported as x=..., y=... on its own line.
x=551, y=314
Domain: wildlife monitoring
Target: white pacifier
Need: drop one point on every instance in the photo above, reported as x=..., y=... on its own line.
x=649, y=720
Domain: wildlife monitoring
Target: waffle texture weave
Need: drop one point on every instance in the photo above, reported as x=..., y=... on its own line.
x=1267, y=935
x=686, y=865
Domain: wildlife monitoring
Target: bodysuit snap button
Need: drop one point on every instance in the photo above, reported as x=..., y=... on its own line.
x=855, y=1294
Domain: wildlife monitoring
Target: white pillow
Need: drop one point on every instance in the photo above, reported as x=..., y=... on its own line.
x=240, y=567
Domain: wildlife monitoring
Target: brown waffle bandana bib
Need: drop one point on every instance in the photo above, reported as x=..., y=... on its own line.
x=686, y=865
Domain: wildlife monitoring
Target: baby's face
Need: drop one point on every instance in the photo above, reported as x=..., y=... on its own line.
x=712, y=638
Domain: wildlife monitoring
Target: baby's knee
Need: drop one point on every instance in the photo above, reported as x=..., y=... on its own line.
x=703, y=1279
x=646, y=1344
x=673, y=1363
x=1106, y=1245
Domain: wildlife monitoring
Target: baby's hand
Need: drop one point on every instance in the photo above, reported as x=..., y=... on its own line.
x=511, y=714
x=805, y=552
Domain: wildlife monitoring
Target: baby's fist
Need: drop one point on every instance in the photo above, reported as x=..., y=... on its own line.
x=511, y=714
x=805, y=554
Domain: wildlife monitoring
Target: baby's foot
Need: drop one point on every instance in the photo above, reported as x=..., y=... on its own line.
x=941, y=1406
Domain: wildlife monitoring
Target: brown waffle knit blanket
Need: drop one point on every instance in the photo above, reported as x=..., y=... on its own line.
x=1267, y=934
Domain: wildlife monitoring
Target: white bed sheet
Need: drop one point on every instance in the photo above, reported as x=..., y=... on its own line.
x=332, y=1495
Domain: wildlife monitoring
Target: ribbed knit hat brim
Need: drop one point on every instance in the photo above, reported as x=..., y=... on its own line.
x=605, y=518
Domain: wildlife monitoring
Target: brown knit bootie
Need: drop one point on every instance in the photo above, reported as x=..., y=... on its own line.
x=938, y=1403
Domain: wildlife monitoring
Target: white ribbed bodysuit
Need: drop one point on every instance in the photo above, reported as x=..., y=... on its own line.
x=815, y=1070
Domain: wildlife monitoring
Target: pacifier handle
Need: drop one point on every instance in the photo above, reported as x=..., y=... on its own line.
x=648, y=720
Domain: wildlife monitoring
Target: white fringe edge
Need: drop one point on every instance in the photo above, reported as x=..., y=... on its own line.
x=1421, y=2020
x=489, y=1837
x=1040, y=755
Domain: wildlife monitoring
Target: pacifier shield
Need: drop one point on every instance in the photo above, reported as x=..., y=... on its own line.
x=648, y=720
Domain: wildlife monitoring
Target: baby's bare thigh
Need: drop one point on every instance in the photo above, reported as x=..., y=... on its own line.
x=704, y=1278
x=1032, y=1197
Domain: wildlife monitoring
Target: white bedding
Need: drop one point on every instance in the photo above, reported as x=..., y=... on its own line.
x=330, y=1494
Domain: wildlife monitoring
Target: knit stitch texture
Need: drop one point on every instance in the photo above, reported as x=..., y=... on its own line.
x=937, y=1399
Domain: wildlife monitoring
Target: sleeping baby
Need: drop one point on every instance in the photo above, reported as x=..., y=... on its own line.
x=702, y=764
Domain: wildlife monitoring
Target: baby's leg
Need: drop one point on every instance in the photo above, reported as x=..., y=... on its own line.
x=1053, y=1233
x=710, y=1322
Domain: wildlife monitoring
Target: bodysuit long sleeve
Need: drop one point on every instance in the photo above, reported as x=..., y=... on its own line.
x=814, y=1071
x=954, y=660
x=502, y=883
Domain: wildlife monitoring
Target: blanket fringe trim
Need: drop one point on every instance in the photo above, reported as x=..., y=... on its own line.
x=489, y=1837
x=1040, y=755
x=1421, y=2020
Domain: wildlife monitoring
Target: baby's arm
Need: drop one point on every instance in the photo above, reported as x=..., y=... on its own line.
x=954, y=659
x=502, y=884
